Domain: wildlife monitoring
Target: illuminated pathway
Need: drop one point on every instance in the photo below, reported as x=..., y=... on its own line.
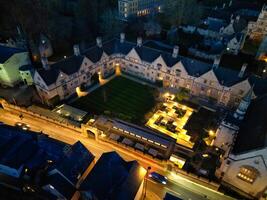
x=181, y=187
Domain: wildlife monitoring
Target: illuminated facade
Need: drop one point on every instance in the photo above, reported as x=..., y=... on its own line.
x=128, y=8
x=257, y=30
x=11, y=59
x=224, y=86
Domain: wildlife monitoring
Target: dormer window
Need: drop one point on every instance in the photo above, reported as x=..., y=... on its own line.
x=159, y=66
x=178, y=72
x=205, y=81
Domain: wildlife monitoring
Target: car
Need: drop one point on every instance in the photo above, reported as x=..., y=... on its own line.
x=158, y=177
x=23, y=126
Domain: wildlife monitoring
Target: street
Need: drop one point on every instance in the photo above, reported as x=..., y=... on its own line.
x=177, y=185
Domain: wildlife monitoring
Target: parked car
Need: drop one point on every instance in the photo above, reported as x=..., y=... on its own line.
x=158, y=177
x=23, y=126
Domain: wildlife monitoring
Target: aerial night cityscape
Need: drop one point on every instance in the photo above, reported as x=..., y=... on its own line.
x=133, y=99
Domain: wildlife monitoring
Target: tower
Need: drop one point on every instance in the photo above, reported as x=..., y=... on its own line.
x=243, y=106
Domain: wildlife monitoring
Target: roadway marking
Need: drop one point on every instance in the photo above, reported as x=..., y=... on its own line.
x=177, y=193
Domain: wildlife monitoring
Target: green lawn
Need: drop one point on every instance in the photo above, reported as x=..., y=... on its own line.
x=121, y=98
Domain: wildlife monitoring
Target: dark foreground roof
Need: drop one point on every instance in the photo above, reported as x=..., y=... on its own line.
x=253, y=130
x=20, y=148
x=7, y=52
x=112, y=178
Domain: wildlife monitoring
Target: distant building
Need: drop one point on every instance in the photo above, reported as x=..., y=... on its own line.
x=11, y=61
x=258, y=30
x=41, y=166
x=243, y=138
x=113, y=178
x=135, y=8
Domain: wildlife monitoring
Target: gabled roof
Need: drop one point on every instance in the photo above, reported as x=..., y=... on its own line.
x=228, y=77
x=112, y=178
x=75, y=161
x=68, y=66
x=194, y=67
x=253, y=130
x=63, y=186
x=7, y=52
x=147, y=54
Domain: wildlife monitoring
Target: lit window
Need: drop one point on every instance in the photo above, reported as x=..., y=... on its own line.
x=248, y=174
x=157, y=143
x=138, y=136
x=144, y=138
x=150, y=141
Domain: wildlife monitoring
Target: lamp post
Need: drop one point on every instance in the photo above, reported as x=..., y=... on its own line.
x=145, y=183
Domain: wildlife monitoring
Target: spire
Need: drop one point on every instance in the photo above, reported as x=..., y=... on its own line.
x=244, y=104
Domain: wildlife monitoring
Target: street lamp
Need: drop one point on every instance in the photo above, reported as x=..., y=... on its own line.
x=145, y=183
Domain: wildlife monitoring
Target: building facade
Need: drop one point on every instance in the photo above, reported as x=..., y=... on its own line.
x=258, y=30
x=135, y=8
x=11, y=59
x=225, y=86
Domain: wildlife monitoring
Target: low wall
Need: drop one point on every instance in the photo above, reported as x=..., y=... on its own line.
x=24, y=111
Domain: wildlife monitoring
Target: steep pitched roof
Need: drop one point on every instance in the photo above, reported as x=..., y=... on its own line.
x=59, y=183
x=228, y=77
x=7, y=52
x=260, y=85
x=68, y=66
x=113, y=178
x=194, y=67
x=253, y=130
x=75, y=162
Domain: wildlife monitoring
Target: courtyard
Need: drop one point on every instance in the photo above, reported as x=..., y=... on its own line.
x=170, y=119
x=121, y=98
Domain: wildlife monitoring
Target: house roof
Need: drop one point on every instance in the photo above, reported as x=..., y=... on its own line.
x=18, y=148
x=228, y=77
x=253, y=129
x=75, y=161
x=68, y=66
x=63, y=186
x=113, y=178
x=7, y=52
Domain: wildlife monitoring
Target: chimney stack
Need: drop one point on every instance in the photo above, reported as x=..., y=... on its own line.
x=175, y=51
x=139, y=41
x=76, y=50
x=99, y=42
x=122, y=37
x=230, y=3
x=216, y=62
x=45, y=63
x=242, y=70
x=237, y=18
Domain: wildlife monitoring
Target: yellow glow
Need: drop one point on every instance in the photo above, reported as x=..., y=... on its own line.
x=142, y=171
x=169, y=115
x=211, y=133
x=178, y=161
x=80, y=93
x=205, y=155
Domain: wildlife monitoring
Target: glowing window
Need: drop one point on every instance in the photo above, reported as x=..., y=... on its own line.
x=248, y=174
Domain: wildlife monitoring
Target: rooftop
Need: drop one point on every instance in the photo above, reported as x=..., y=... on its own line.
x=7, y=52
x=112, y=178
x=253, y=129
